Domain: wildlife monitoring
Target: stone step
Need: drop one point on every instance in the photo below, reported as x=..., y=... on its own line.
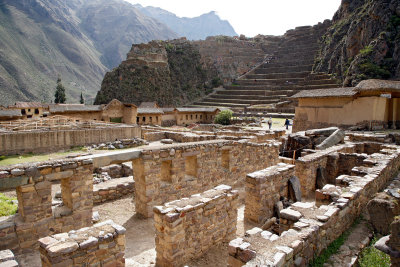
x=287, y=69
x=297, y=49
x=270, y=81
x=284, y=63
x=267, y=95
x=243, y=101
x=321, y=82
x=278, y=75
x=280, y=87
x=211, y=104
x=254, y=93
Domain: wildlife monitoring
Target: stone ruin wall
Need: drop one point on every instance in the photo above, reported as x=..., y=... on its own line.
x=232, y=57
x=36, y=216
x=47, y=141
x=311, y=228
x=264, y=188
x=189, y=227
x=177, y=171
x=103, y=244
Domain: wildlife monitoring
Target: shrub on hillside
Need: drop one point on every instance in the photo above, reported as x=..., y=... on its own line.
x=224, y=117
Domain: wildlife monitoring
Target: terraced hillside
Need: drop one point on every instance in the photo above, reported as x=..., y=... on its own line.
x=284, y=72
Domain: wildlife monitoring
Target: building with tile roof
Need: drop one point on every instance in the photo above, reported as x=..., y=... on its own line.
x=372, y=104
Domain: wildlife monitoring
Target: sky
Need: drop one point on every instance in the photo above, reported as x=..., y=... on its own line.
x=252, y=17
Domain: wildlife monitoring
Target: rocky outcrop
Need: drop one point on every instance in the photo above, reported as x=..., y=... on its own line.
x=363, y=42
x=169, y=72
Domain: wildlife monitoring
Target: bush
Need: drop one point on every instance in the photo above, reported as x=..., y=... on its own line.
x=224, y=117
x=371, y=257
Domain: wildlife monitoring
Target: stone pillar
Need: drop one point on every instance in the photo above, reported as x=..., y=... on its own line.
x=34, y=201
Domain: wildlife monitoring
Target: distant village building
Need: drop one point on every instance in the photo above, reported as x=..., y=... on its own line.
x=148, y=113
x=10, y=115
x=186, y=116
x=30, y=109
x=372, y=104
x=115, y=111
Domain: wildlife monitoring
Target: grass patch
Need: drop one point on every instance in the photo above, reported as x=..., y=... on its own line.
x=372, y=257
x=30, y=157
x=7, y=207
x=333, y=247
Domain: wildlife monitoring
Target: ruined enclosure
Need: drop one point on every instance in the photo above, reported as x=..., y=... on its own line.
x=307, y=227
x=299, y=206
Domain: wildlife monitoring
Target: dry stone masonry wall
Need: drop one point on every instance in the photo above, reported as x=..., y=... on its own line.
x=172, y=172
x=312, y=228
x=36, y=216
x=187, y=228
x=265, y=188
x=100, y=245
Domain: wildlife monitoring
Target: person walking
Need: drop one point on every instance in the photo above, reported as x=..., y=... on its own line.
x=270, y=122
x=287, y=123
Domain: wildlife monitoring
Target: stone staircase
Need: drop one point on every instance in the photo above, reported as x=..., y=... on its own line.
x=283, y=73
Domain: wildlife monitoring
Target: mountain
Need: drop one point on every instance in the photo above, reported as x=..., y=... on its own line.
x=192, y=28
x=78, y=40
x=363, y=42
x=115, y=25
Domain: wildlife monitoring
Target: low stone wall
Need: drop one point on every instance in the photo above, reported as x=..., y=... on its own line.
x=100, y=245
x=36, y=216
x=163, y=174
x=265, y=188
x=187, y=228
x=45, y=141
x=314, y=228
x=113, y=189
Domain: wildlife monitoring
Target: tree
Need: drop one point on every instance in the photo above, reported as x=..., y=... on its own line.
x=60, y=93
x=224, y=117
x=82, y=101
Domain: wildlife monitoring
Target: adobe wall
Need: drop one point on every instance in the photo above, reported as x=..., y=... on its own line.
x=320, y=113
x=46, y=141
x=172, y=172
x=264, y=188
x=313, y=228
x=103, y=244
x=187, y=228
x=36, y=217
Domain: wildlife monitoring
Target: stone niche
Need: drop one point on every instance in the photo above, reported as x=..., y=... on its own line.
x=100, y=245
x=187, y=228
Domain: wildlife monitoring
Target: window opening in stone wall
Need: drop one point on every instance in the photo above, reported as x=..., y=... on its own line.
x=191, y=166
x=23, y=111
x=166, y=166
x=225, y=159
x=187, y=117
x=196, y=116
x=191, y=117
x=201, y=117
x=144, y=119
x=137, y=119
x=36, y=111
x=151, y=119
